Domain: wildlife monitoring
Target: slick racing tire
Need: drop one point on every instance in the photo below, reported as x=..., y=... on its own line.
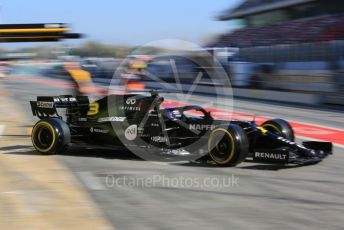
x=228, y=145
x=280, y=127
x=51, y=136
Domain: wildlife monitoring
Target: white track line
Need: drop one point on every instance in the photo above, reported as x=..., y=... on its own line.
x=2, y=129
x=19, y=192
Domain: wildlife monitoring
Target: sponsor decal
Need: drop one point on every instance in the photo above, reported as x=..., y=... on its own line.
x=111, y=119
x=141, y=132
x=201, y=127
x=130, y=101
x=131, y=132
x=274, y=156
x=96, y=130
x=158, y=139
x=286, y=141
x=64, y=99
x=277, y=156
x=152, y=115
x=129, y=105
x=130, y=108
x=291, y=142
x=45, y=104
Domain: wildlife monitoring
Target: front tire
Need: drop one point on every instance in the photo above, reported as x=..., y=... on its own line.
x=51, y=136
x=280, y=127
x=228, y=145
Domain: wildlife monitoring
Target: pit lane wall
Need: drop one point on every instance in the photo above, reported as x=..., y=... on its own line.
x=309, y=98
x=302, y=82
x=256, y=94
x=308, y=82
x=310, y=68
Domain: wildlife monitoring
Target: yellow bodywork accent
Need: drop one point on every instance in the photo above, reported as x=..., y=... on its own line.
x=80, y=75
x=34, y=30
x=274, y=127
x=261, y=129
x=94, y=109
x=30, y=37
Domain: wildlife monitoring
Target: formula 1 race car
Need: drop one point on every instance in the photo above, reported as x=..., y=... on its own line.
x=139, y=121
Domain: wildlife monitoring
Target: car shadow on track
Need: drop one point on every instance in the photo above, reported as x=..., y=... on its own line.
x=247, y=165
x=273, y=167
x=269, y=167
x=101, y=153
x=127, y=155
x=19, y=149
x=75, y=152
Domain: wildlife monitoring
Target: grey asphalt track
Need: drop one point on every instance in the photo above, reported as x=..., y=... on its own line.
x=136, y=194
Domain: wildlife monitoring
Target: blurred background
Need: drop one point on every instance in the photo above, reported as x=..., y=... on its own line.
x=291, y=46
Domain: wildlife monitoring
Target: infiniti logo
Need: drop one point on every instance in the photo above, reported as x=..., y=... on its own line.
x=130, y=101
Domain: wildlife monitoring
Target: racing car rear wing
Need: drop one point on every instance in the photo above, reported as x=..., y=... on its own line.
x=45, y=32
x=46, y=106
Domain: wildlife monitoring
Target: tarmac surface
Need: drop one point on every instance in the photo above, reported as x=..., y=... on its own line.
x=105, y=189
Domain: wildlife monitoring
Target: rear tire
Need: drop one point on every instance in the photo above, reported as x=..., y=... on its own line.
x=228, y=145
x=51, y=136
x=280, y=127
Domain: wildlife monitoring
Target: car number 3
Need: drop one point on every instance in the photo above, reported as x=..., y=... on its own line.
x=93, y=109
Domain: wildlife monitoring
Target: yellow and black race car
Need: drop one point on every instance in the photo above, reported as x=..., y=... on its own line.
x=139, y=123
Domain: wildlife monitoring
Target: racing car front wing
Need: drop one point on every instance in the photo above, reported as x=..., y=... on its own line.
x=289, y=152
